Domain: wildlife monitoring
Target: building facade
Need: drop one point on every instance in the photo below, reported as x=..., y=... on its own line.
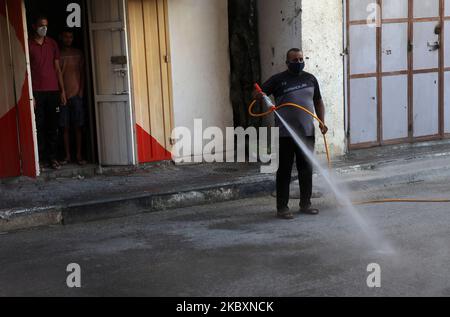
x=383, y=66
x=153, y=64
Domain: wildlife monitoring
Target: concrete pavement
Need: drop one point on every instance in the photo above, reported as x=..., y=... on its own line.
x=58, y=199
x=239, y=249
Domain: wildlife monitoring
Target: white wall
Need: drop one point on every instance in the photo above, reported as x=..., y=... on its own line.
x=322, y=34
x=200, y=62
x=279, y=25
x=318, y=30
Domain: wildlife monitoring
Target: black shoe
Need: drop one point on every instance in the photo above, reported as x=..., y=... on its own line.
x=284, y=213
x=309, y=211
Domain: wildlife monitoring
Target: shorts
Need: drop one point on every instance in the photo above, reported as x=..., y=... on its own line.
x=72, y=114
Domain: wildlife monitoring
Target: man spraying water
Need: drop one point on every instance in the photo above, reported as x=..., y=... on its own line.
x=298, y=87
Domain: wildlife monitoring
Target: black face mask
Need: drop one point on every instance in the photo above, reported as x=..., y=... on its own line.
x=296, y=67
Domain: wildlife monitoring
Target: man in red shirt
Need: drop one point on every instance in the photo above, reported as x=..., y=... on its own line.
x=48, y=90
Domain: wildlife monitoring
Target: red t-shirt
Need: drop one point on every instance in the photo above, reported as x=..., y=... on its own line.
x=42, y=60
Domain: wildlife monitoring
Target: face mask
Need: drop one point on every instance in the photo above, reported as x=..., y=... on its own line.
x=42, y=31
x=296, y=67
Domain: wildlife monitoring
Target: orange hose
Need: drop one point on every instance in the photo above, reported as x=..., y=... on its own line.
x=382, y=201
x=407, y=200
x=258, y=115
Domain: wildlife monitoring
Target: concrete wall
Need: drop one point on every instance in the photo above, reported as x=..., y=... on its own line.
x=322, y=34
x=279, y=24
x=200, y=62
x=318, y=30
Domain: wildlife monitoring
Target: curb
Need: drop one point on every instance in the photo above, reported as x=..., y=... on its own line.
x=17, y=219
x=261, y=185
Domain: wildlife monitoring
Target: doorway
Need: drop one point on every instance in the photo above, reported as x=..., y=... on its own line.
x=57, y=13
x=128, y=76
x=108, y=134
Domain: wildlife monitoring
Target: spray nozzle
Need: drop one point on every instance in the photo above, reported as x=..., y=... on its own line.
x=268, y=104
x=258, y=89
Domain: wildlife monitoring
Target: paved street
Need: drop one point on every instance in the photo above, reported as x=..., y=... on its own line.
x=239, y=249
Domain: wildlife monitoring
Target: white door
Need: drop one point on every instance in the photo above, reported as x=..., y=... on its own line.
x=110, y=62
x=394, y=67
x=363, y=83
x=426, y=47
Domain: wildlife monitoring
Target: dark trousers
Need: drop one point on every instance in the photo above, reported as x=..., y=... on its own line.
x=47, y=105
x=288, y=150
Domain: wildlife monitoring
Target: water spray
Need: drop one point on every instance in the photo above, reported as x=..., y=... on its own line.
x=271, y=108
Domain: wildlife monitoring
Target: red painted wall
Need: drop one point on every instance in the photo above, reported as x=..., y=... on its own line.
x=149, y=149
x=16, y=129
x=9, y=147
x=24, y=109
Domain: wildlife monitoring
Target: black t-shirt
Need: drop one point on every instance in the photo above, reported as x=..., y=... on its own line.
x=303, y=90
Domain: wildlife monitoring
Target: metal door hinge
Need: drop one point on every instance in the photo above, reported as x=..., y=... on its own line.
x=167, y=59
x=410, y=46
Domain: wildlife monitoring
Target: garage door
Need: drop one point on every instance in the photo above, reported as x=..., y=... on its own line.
x=397, y=67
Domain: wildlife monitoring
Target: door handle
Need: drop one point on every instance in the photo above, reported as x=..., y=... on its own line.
x=125, y=92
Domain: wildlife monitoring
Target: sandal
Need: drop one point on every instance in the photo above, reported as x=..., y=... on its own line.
x=55, y=165
x=82, y=162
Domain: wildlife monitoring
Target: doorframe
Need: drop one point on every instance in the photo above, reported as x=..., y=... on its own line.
x=37, y=169
x=30, y=88
x=169, y=68
x=130, y=85
x=410, y=72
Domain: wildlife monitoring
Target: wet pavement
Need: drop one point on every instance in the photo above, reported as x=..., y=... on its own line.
x=240, y=249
